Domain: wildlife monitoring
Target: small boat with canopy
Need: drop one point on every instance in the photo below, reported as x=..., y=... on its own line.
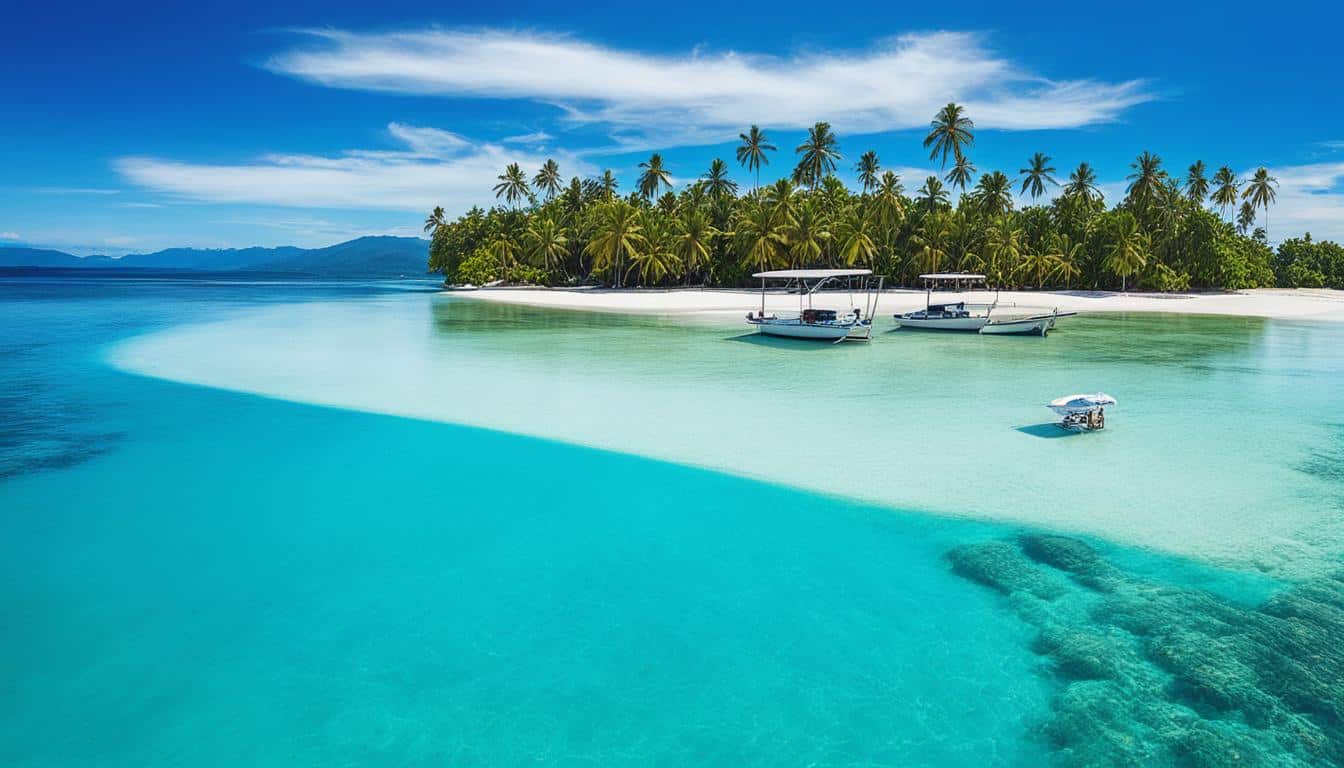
x=1082, y=413
x=856, y=324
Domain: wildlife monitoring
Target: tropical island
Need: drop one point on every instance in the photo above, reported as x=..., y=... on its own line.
x=1170, y=232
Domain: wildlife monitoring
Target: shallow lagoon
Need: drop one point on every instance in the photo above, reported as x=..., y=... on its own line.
x=1221, y=448
x=203, y=577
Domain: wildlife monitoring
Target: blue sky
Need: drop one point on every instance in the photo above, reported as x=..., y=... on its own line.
x=131, y=127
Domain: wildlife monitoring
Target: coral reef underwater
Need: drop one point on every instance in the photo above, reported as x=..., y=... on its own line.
x=1153, y=674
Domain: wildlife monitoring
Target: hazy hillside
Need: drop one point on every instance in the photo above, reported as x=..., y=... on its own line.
x=42, y=257
x=383, y=256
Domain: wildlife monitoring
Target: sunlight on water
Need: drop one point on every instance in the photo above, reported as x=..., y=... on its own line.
x=1222, y=446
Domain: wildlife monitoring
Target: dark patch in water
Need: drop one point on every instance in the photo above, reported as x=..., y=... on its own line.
x=1157, y=675
x=1327, y=461
x=38, y=433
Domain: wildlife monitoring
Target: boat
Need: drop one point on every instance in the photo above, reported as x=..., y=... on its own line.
x=856, y=324
x=948, y=316
x=1030, y=325
x=1082, y=413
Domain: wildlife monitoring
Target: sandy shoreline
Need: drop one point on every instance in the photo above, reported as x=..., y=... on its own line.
x=1276, y=303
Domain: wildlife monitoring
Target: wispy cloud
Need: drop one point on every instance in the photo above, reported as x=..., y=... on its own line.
x=696, y=97
x=536, y=137
x=71, y=191
x=433, y=167
x=10, y=236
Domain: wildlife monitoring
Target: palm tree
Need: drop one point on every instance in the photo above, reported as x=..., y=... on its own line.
x=503, y=249
x=617, y=235
x=1038, y=264
x=1226, y=188
x=512, y=185
x=694, y=235
x=932, y=194
x=1146, y=178
x=760, y=240
x=655, y=260
x=949, y=131
x=716, y=180
x=931, y=241
x=1245, y=217
x=779, y=199
x=855, y=238
x=868, y=167
x=994, y=194
x=608, y=184
x=751, y=152
x=1260, y=192
x=962, y=171
x=806, y=236
x=819, y=152
x=1037, y=174
x=1003, y=247
x=887, y=202
x=1196, y=185
x=546, y=243
x=1066, y=253
x=548, y=178
x=1128, y=250
x=1082, y=183
x=654, y=177
x=434, y=220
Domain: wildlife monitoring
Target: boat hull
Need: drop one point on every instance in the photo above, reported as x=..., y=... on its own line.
x=1027, y=326
x=963, y=324
x=800, y=330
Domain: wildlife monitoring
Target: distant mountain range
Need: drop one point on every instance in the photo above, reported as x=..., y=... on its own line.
x=381, y=256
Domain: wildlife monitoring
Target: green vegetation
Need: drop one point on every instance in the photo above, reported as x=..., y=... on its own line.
x=1162, y=235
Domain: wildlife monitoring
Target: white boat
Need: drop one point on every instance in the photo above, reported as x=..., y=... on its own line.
x=856, y=324
x=1082, y=413
x=948, y=316
x=1033, y=325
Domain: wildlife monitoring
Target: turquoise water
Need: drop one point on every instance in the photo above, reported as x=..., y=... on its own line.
x=1223, y=444
x=195, y=576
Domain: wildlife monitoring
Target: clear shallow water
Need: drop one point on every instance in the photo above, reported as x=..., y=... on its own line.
x=1226, y=444
x=201, y=577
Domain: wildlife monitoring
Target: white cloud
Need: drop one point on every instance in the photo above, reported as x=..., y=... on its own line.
x=1310, y=199
x=435, y=168
x=695, y=97
x=536, y=137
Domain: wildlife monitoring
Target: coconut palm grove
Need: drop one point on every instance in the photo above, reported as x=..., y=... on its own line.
x=1173, y=230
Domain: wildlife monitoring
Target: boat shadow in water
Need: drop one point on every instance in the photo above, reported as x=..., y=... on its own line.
x=782, y=342
x=1049, y=431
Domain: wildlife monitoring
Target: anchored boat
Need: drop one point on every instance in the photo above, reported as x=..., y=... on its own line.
x=1082, y=413
x=948, y=316
x=826, y=324
x=973, y=318
x=1031, y=325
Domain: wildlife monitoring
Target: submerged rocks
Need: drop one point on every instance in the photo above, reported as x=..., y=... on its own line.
x=1001, y=565
x=1154, y=674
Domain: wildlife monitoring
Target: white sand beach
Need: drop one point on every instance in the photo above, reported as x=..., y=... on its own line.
x=1285, y=304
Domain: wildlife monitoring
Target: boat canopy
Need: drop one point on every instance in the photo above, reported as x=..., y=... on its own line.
x=1080, y=403
x=812, y=274
x=951, y=276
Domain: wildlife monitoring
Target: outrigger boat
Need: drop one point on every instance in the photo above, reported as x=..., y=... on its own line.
x=948, y=316
x=824, y=324
x=973, y=318
x=1031, y=325
x=1082, y=413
